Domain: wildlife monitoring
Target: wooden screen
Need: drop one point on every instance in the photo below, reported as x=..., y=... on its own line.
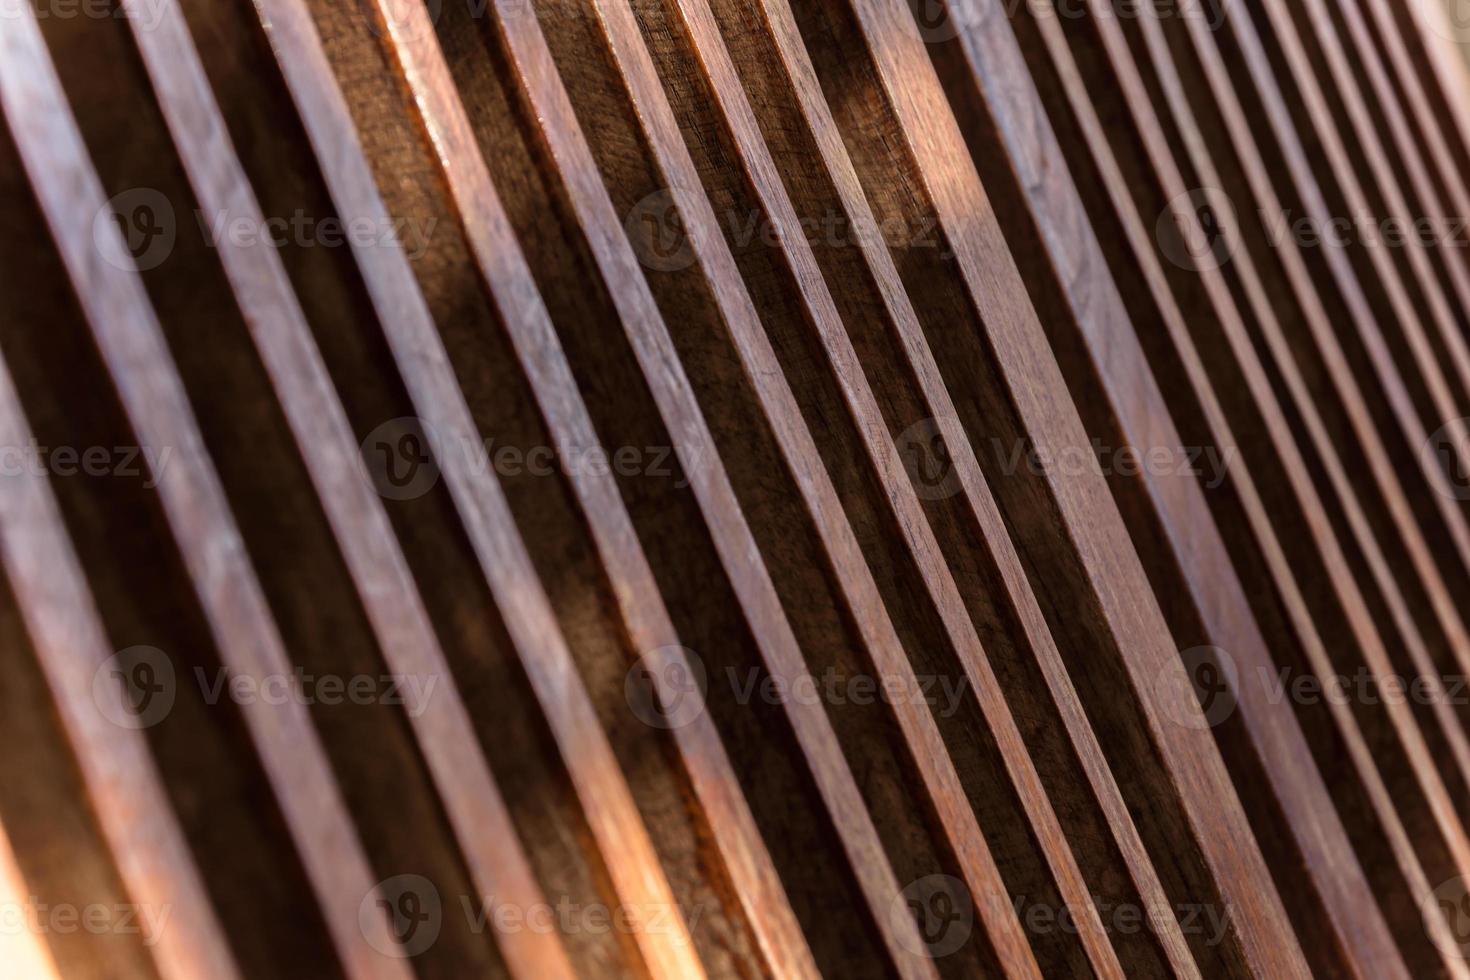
x=734, y=488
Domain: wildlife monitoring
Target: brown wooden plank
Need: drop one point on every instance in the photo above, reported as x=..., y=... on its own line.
x=1093, y=522
x=977, y=494
x=23, y=952
x=403, y=312
x=1320, y=441
x=131, y=341
x=1447, y=407
x=991, y=62
x=123, y=783
x=702, y=463
x=1143, y=254
x=1427, y=131
x=382, y=577
x=801, y=456
x=625, y=845
x=955, y=216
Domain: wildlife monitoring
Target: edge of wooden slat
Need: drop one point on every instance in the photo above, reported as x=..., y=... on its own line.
x=131, y=342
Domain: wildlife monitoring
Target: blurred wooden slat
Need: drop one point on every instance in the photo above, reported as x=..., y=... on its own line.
x=131, y=341
x=400, y=621
x=122, y=780
x=1217, y=597
x=23, y=952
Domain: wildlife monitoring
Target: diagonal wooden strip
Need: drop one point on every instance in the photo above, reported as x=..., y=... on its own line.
x=1325, y=338
x=1364, y=134
x=803, y=459
x=1425, y=125
x=883, y=454
x=23, y=952
x=1263, y=78
x=123, y=784
x=607, y=801
x=407, y=321
x=1413, y=430
x=1350, y=598
x=1351, y=602
x=1293, y=462
x=1363, y=131
x=401, y=624
x=1423, y=565
x=977, y=494
x=1093, y=524
x=1440, y=65
x=995, y=65
x=1345, y=279
x=131, y=342
x=693, y=441
x=1348, y=288
x=1411, y=170
x=1142, y=252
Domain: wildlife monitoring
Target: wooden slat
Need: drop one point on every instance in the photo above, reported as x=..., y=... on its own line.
x=1217, y=596
x=23, y=952
x=890, y=216
x=131, y=343
x=614, y=819
x=1093, y=524
x=702, y=464
x=400, y=622
x=1295, y=467
x=1143, y=253
x=885, y=459
x=1331, y=145
x=406, y=317
x=122, y=780
x=977, y=494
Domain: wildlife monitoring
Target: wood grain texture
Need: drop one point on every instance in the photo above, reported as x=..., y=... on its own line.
x=679, y=488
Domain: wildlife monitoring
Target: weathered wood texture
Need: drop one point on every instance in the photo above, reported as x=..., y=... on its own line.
x=734, y=488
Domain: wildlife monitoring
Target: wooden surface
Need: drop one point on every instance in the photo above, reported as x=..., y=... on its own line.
x=734, y=488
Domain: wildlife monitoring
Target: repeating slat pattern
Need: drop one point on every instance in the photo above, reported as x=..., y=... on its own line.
x=734, y=488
